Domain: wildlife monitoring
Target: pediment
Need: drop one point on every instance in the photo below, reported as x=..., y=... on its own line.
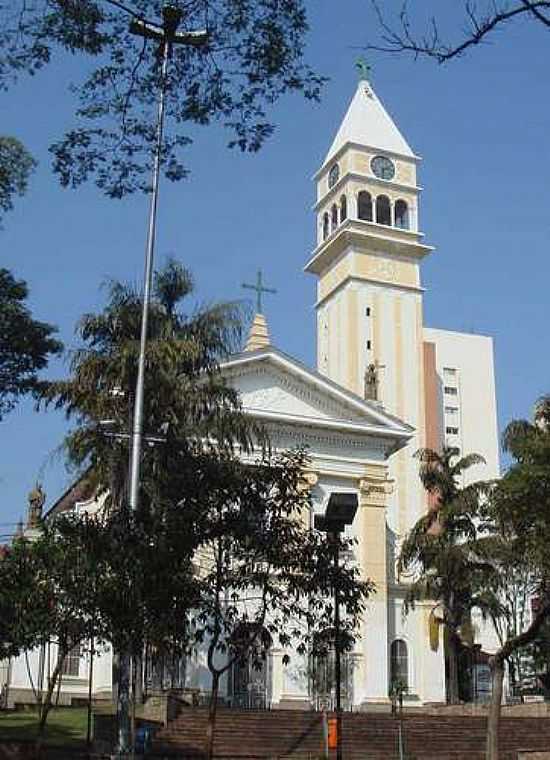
x=275, y=386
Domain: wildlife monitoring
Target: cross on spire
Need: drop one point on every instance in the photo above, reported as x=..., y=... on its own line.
x=259, y=288
x=363, y=68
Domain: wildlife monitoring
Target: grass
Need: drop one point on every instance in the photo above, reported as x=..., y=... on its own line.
x=65, y=726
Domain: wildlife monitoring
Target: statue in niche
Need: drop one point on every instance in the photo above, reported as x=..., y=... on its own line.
x=37, y=498
x=371, y=383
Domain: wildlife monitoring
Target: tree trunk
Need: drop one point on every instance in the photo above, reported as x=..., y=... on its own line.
x=212, y=712
x=453, y=694
x=46, y=704
x=493, y=720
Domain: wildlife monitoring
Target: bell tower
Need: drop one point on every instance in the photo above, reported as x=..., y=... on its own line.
x=369, y=296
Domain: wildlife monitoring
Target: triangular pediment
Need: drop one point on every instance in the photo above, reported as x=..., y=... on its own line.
x=275, y=386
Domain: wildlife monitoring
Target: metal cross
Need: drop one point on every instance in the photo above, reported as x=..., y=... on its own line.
x=363, y=68
x=259, y=288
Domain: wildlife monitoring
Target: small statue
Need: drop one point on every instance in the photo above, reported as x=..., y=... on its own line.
x=371, y=383
x=37, y=498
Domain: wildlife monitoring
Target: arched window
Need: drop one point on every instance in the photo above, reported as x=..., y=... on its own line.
x=364, y=206
x=333, y=217
x=402, y=215
x=343, y=208
x=325, y=226
x=399, y=660
x=383, y=212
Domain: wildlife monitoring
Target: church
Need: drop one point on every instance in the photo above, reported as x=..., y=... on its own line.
x=385, y=385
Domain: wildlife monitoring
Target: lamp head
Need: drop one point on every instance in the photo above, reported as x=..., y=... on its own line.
x=172, y=16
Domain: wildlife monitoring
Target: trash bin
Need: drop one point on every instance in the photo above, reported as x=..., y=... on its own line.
x=143, y=740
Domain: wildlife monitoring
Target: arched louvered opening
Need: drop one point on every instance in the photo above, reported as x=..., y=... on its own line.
x=383, y=210
x=364, y=206
x=343, y=208
x=402, y=215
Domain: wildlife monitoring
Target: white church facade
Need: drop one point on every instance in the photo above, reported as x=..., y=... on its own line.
x=385, y=385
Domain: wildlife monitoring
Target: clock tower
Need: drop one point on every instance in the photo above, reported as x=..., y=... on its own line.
x=369, y=296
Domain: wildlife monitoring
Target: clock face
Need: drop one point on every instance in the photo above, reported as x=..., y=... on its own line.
x=333, y=175
x=382, y=167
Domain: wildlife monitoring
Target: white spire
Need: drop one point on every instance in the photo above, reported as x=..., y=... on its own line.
x=368, y=123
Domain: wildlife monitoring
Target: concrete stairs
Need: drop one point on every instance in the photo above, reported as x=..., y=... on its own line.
x=296, y=735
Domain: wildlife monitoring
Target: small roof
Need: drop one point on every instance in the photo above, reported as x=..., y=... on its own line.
x=368, y=123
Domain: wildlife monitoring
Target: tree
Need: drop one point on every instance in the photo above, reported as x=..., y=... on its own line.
x=518, y=534
x=253, y=56
x=49, y=594
x=16, y=166
x=438, y=550
x=188, y=405
x=25, y=343
x=264, y=576
x=480, y=24
x=189, y=410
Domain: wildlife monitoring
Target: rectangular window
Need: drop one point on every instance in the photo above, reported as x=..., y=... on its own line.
x=451, y=410
x=367, y=311
x=451, y=430
x=449, y=372
x=450, y=391
x=72, y=662
x=368, y=345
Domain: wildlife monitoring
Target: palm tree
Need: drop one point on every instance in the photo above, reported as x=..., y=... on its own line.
x=438, y=551
x=188, y=405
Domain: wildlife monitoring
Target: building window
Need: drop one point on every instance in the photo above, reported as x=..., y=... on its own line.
x=325, y=226
x=449, y=372
x=72, y=662
x=367, y=311
x=451, y=430
x=450, y=391
x=402, y=215
x=333, y=218
x=383, y=210
x=364, y=206
x=368, y=345
x=399, y=660
x=343, y=208
x=451, y=410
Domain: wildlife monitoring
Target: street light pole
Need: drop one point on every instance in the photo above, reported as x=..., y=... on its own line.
x=166, y=35
x=340, y=512
x=337, y=650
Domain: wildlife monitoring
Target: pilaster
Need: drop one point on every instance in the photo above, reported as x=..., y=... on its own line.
x=374, y=489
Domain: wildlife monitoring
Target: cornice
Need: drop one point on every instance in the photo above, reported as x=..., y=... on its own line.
x=356, y=278
x=371, y=179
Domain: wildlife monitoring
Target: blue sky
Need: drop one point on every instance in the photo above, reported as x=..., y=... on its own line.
x=481, y=125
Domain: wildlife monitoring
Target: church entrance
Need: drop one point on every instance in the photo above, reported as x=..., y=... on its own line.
x=323, y=674
x=249, y=677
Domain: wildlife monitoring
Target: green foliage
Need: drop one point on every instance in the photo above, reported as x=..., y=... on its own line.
x=263, y=569
x=25, y=343
x=253, y=57
x=441, y=551
x=187, y=402
x=16, y=166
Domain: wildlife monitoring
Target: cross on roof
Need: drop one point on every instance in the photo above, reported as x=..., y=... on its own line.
x=363, y=68
x=259, y=288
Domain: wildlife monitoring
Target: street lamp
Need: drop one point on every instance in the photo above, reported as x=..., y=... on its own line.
x=167, y=36
x=340, y=512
